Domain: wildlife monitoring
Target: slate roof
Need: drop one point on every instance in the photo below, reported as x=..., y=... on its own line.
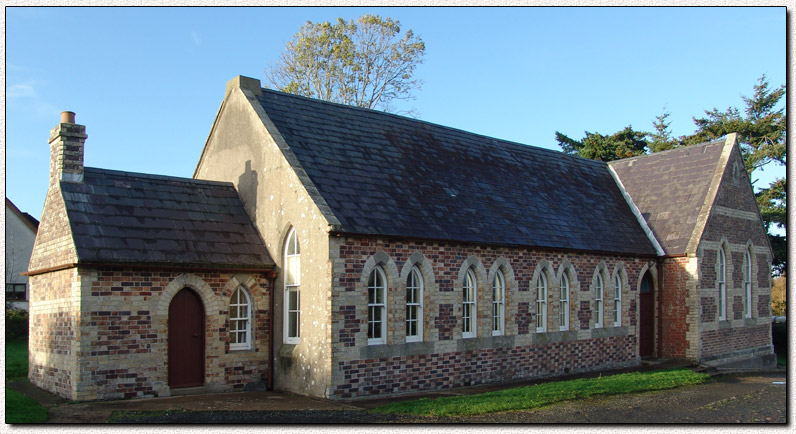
x=670, y=189
x=123, y=217
x=383, y=174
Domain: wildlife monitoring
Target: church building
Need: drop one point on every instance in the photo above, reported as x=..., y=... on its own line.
x=340, y=252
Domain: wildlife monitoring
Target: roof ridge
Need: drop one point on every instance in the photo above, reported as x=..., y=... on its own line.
x=669, y=151
x=160, y=177
x=519, y=145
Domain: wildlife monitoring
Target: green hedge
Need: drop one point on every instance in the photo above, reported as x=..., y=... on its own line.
x=16, y=324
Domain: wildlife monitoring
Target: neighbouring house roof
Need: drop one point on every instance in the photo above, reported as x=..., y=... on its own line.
x=134, y=218
x=383, y=174
x=26, y=218
x=670, y=189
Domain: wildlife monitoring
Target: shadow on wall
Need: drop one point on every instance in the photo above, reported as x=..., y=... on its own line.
x=247, y=190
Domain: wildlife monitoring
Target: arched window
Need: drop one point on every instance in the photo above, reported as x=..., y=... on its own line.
x=377, y=307
x=541, y=303
x=292, y=286
x=617, y=300
x=722, y=285
x=240, y=320
x=468, y=305
x=747, y=284
x=414, y=306
x=598, y=301
x=563, y=309
x=498, y=304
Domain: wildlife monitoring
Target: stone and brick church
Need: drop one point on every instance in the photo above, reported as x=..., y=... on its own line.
x=340, y=252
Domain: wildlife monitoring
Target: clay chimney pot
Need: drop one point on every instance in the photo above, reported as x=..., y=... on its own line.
x=67, y=117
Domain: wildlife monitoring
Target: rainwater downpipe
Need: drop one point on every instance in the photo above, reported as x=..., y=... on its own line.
x=271, y=276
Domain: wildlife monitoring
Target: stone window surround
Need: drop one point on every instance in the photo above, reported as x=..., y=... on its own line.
x=287, y=339
x=722, y=263
x=543, y=272
x=598, y=287
x=395, y=281
x=416, y=304
x=620, y=274
x=246, y=319
x=566, y=269
x=417, y=261
x=748, y=281
x=498, y=304
x=381, y=305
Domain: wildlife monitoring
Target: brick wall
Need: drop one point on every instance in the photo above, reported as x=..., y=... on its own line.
x=443, y=358
x=54, y=317
x=674, y=308
x=734, y=225
x=116, y=336
x=414, y=373
x=729, y=340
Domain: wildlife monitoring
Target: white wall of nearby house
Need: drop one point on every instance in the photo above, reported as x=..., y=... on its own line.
x=19, y=245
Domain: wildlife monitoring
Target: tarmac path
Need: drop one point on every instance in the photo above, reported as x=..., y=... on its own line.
x=730, y=398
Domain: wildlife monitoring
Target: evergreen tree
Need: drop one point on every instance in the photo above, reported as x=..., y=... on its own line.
x=761, y=137
x=595, y=146
x=762, y=140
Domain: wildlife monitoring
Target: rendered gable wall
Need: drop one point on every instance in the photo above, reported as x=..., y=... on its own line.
x=241, y=150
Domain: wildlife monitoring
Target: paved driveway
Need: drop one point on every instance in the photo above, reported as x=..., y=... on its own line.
x=738, y=398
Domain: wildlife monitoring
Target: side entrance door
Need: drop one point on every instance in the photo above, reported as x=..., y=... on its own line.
x=186, y=340
x=646, y=330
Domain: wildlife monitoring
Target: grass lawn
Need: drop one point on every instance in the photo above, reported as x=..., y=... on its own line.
x=539, y=395
x=20, y=408
x=16, y=359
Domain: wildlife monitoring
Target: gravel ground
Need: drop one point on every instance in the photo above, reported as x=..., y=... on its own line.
x=747, y=398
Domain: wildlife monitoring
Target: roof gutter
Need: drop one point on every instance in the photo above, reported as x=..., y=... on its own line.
x=339, y=233
x=159, y=267
x=637, y=212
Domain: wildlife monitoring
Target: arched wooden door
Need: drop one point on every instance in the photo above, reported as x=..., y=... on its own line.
x=186, y=340
x=646, y=329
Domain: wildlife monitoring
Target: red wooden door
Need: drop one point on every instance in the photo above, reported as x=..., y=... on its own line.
x=647, y=317
x=186, y=340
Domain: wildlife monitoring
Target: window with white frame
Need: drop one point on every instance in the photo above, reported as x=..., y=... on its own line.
x=722, y=285
x=617, y=300
x=414, y=306
x=563, y=309
x=541, y=303
x=292, y=285
x=239, y=320
x=498, y=304
x=598, y=301
x=377, y=307
x=468, y=305
x=747, y=284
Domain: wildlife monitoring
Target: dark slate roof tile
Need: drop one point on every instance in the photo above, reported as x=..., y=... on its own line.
x=670, y=188
x=125, y=218
x=383, y=174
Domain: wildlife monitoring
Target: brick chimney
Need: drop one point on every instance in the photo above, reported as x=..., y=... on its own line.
x=67, y=141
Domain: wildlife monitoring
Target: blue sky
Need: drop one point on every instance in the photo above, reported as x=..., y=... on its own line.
x=147, y=82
